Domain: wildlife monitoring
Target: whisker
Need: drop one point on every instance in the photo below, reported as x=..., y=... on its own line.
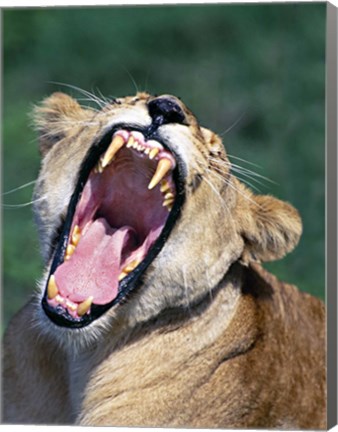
x=248, y=183
x=146, y=81
x=244, y=160
x=245, y=180
x=19, y=187
x=239, y=172
x=216, y=192
x=186, y=291
x=92, y=97
x=17, y=206
x=103, y=98
x=210, y=288
x=240, y=168
x=252, y=173
x=233, y=125
x=131, y=78
x=229, y=183
x=67, y=125
x=219, y=196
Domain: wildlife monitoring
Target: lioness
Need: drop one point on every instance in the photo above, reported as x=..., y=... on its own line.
x=154, y=309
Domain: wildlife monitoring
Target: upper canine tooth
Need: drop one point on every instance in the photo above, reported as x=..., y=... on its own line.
x=52, y=289
x=115, y=145
x=163, y=167
x=84, y=306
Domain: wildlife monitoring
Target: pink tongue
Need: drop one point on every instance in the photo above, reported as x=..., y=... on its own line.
x=94, y=267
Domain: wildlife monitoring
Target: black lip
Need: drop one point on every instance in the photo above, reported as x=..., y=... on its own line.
x=59, y=315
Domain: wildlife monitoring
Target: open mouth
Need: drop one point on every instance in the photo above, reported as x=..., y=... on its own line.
x=126, y=201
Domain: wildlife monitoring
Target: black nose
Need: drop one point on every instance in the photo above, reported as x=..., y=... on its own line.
x=165, y=110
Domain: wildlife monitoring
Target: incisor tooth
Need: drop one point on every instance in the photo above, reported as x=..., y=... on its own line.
x=76, y=229
x=169, y=195
x=52, y=290
x=131, y=266
x=114, y=147
x=59, y=299
x=71, y=306
x=162, y=169
x=84, y=306
x=130, y=142
x=76, y=235
x=153, y=153
x=165, y=186
x=168, y=202
x=70, y=250
x=98, y=168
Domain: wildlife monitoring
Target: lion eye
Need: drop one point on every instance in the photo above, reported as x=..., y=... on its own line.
x=165, y=110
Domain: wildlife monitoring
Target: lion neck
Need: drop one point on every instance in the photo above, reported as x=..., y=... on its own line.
x=184, y=331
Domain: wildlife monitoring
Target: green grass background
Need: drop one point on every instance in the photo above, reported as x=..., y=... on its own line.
x=253, y=73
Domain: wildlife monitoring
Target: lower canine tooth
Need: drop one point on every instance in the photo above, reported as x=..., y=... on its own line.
x=98, y=168
x=162, y=170
x=114, y=147
x=84, y=306
x=52, y=289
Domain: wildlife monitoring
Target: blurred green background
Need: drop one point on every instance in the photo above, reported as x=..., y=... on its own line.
x=253, y=73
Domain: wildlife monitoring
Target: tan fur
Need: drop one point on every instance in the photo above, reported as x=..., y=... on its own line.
x=210, y=339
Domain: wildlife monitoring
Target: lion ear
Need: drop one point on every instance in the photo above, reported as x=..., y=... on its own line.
x=54, y=118
x=272, y=228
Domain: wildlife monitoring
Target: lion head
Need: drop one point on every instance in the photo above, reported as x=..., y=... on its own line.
x=138, y=209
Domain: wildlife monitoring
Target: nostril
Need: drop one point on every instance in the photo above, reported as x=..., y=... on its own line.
x=165, y=110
